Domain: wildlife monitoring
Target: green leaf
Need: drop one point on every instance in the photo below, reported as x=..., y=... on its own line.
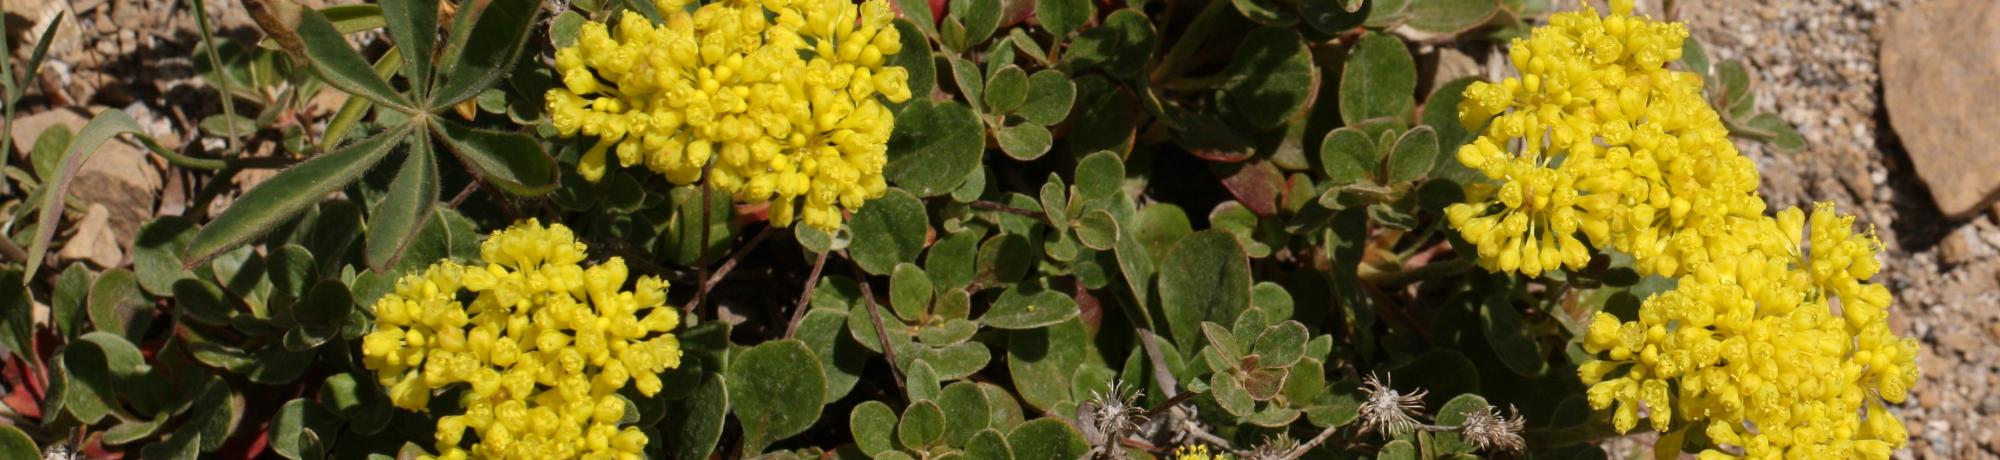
x=1270, y=79
x=1041, y=362
x=697, y=420
x=100, y=129
x=1397, y=450
x=949, y=262
x=294, y=418
x=1206, y=277
x=920, y=9
x=48, y=150
x=1028, y=306
x=1450, y=16
x=1160, y=226
x=1332, y=17
x=1347, y=156
x=413, y=25
x=887, y=231
x=1100, y=176
x=338, y=65
x=285, y=195
x=1781, y=135
x=1050, y=95
x=1005, y=257
x=478, y=57
x=910, y=292
x=988, y=444
x=1222, y=341
x=67, y=302
x=920, y=380
x=980, y=17
x=1694, y=56
x=1121, y=45
x=1282, y=344
x=404, y=209
x=117, y=307
x=291, y=270
x=1338, y=406
x=1061, y=17
x=1415, y=154
x=1098, y=230
x=132, y=430
x=1136, y=263
x=1507, y=335
x=1007, y=89
x=933, y=147
x=1047, y=438
x=1266, y=12
x=1735, y=83
x=204, y=302
x=955, y=361
x=966, y=412
x=1305, y=382
x=513, y=161
x=1111, y=113
x=1380, y=80
x=1025, y=142
x=971, y=83
x=776, y=388
x=922, y=426
x=873, y=423
x=825, y=330
x=16, y=444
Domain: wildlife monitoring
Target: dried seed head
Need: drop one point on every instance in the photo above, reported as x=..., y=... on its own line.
x=1274, y=448
x=1110, y=416
x=1387, y=410
x=1487, y=429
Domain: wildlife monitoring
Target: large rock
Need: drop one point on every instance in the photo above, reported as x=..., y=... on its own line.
x=120, y=176
x=1940, y=67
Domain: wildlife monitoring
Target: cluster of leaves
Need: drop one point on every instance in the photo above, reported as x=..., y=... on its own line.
x=1232, y=206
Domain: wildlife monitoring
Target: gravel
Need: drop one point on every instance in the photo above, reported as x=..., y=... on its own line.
x=1816, y=63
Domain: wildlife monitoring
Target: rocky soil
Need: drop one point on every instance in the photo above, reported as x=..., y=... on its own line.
x=1817, y=62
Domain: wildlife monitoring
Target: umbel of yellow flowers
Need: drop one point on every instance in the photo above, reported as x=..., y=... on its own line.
x=1774, y=341
x=540, y=349
x=778, y=101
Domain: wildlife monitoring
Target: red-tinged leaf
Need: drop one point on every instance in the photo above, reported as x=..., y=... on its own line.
x=1089, y=309
x=24, y=399
x=1257, y=184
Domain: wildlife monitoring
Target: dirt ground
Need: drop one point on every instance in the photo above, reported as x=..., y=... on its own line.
x=1815, y=60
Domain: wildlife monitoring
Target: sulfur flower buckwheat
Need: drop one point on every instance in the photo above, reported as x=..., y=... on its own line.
x=1597, y=138
x=1774, y=341
x=539, y=343
x=1198, y=452
x=776, y=101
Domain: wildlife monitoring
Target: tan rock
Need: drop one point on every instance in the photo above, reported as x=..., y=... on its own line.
x=93, y=240
x=119, y=175
x=1940, y=64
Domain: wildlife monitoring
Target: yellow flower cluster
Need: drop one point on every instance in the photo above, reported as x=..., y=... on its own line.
x=1773, y=339
x=1197, y=452
x=542, y=347
x=1596, y=138
x=775, y=99
x=1780, y=343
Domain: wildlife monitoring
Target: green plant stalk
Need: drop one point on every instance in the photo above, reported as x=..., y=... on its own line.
x=215, y=61
x=13, y=87
x=350, y=111
x=1426, y=272
x=1196, y=34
